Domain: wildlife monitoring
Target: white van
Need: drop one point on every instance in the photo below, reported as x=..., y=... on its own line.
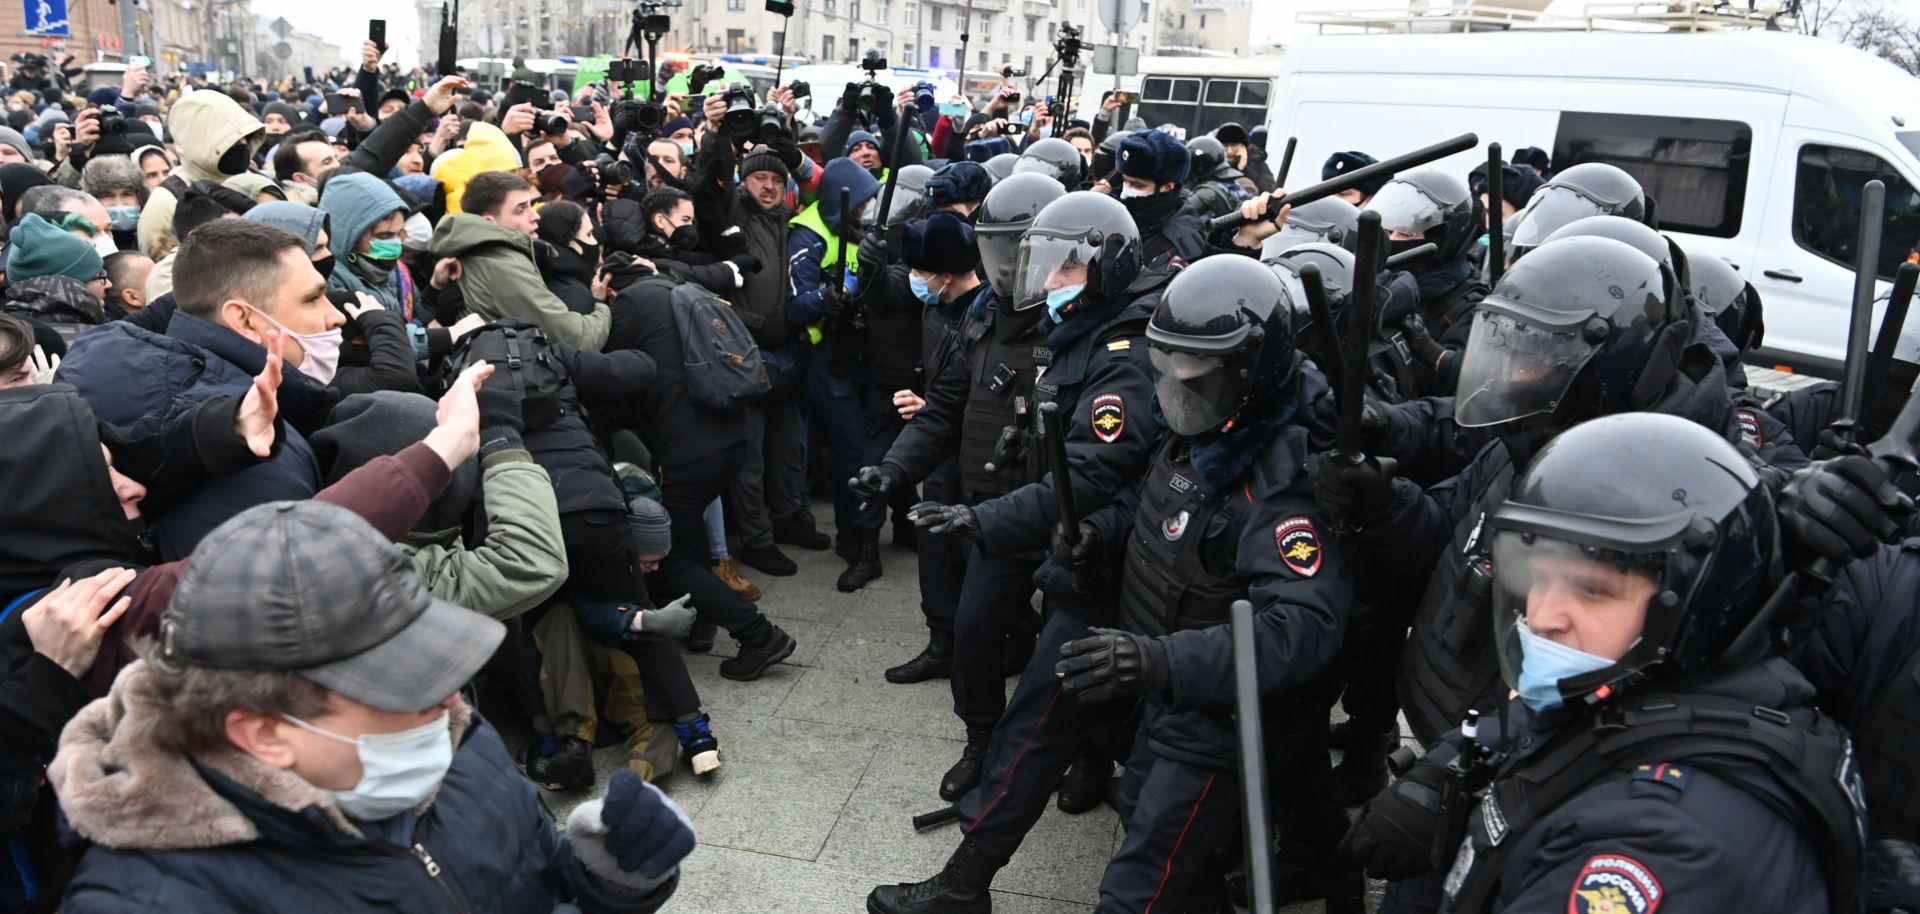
x=1753, y=144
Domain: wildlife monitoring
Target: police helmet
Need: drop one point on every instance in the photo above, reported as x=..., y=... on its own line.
x=1106, y=156
x=1084, y=239
x=908, y=204
x=1208, y=155
x=1726, y=296
x=1335, y=264
x=1054, y=157
x=1326, y=219
x=1588, y=189
x=1221, y=337
x=1001, y=166
x=1433, y=207
x=1644, y=239
x=1583, y=327
x=1004, y=216
x=1645, y=502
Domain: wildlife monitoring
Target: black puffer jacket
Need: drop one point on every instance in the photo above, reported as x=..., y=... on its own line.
x=61, y=303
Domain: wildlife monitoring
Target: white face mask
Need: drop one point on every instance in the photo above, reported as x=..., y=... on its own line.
x=419, y=232
x=398, y=771
x=1130, y=192
x=103, y=243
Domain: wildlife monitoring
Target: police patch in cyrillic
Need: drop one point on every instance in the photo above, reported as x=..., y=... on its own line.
x=1109, y=417
x=1615, y=884
x=1299, y=545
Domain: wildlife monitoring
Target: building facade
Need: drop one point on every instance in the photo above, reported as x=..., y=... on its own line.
x=90, y=30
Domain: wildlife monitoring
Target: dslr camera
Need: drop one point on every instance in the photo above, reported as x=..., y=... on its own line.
x=741, y=117
x=700, y=76
x=112, y=122
x=550, y=124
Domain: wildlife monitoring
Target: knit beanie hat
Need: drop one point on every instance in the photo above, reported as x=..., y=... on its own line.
x=763, y=158
x=652, y=530
x=40, y=248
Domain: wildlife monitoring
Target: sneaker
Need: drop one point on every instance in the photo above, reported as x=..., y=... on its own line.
x=767, y=559
x=700, y=640
x=754, y=661
x=729, y=574
x=797, y=529
x=562, y=763
x=697, y=743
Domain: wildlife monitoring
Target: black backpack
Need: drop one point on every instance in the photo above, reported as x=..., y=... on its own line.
x=523, y=357
x=722, y=362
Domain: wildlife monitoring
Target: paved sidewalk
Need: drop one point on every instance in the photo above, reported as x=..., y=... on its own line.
x=826, y=763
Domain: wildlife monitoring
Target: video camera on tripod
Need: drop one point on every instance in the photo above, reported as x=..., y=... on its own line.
x=1067, y=46
x=870, y=95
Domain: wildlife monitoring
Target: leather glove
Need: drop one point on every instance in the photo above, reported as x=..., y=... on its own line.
x=674, y=620
x=633, y=836
x=1832, y=443
x=1393, y=838
x=1839, y=510
x=850, y=99
x=1079, y=555
x=1112, y=664
x=747, y=263
x=1354, y=493
x=957, y=520
x=1420, y=342
x=873, y=482
x=788, y=151
x=873, y=257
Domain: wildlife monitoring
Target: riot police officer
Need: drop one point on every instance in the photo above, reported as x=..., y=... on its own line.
x=1080, y=261
x=1154, y=168
x=1057, y=159
x=1217, y=188
x=1587, y=189
x=1655, y=758
x=1430, y=206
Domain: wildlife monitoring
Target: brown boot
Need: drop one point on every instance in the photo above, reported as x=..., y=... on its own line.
x=729, y=573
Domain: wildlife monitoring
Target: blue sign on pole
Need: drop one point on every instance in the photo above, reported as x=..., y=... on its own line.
x=46, y=17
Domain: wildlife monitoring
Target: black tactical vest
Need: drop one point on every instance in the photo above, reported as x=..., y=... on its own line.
x=1450, y=665
x=1885, y=740
x=1181, y=550
x=996, y=427
x=1813, y=760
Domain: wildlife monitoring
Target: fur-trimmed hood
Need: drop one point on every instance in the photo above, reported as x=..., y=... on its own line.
x=123, y=785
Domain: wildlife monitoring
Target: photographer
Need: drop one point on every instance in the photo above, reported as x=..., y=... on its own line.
x=864, y=108
x=673, y=238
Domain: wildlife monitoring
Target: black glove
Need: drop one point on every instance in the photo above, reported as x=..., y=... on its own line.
x=787, y=150
x=873, y=257
x=1839, y=510
x=1112, y=664
x=850, y=99
x=873, y=482
x=957, y=520
x=1079, y=555
x=747, y=263
x=1393, y=838
x=1354, y=493
x=1420, y=343
x=1833, y=442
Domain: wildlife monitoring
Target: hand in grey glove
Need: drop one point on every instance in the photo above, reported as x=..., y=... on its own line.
x=674, y=619
x=958, y=520
x=1112, y=664
x=1393, y=838
x=633, y=836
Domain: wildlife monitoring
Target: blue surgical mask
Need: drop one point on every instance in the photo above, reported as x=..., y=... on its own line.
x=124, y=218
x=922, y=291
x=1544, y=662
x=398, y=771
x=686, y=149
x=1059, y=299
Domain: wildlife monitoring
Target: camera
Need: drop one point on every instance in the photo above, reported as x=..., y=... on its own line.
x=741, y=117
x=701, y=75
x=633, y=116
x=800, y=89
x=613, y=172
x=772, y=125
x=624, y=70
x=873, y=63
x=923, y=97
x=112, y=122
x=550, y=124
x=1067, y=45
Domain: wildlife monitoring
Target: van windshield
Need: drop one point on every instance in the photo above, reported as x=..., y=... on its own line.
x=1826, y=206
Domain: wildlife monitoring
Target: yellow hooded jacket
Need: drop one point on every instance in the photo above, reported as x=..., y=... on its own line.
x=487, y=149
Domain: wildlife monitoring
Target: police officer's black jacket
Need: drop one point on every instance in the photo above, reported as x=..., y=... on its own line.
x=1862, y=653
x=963, y=415
x=1706, y=832
x=1433, y=538
x=893, y=328
x=1193, y=545
x=1100, y=377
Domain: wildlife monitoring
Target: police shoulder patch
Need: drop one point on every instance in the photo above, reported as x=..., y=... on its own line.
x=1615, y=884
x=1109, y=417
x=1299, y=545
x=1749, y=427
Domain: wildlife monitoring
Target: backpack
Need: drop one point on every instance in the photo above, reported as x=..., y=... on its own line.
x=722, y=362
x=522, y=356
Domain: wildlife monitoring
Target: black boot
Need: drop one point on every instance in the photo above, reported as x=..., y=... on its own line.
x=1362, y=771
x=864, y=566
x=700, y=639
x=934, y=662
x=754, y=661
x=562, y=764
x=768, y=559
x=965, y=773
x=959, y=888
x=797, y=529
x=1084, y=786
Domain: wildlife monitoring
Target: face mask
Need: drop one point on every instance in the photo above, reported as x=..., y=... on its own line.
x=1130, y=192
x=398, y=771
x=1059, y=299
x=103, y=244
x=1544, y=662
x=324, y=265
x=591, y=252
x=385, y=249
x=234, y=160
x=124, y=218
x=923, y=291
x=685, y=237
x=322, y=350
x=419, y=232
x=686, y=149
